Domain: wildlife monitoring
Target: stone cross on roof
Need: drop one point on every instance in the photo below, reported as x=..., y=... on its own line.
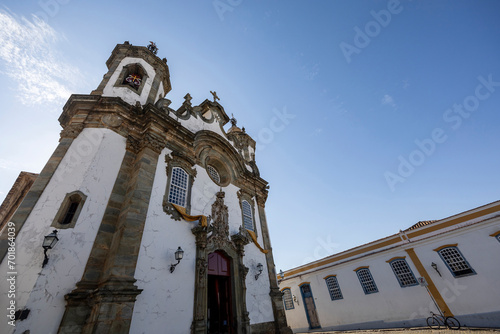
x=214, y=93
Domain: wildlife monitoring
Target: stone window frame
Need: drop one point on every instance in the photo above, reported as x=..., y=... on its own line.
x=453, y=258
x=288, y=298
x=332, y=283
x=72, y=197
x=403, y=272
x=176, y=160
x=245, y=197
x=366, y=280
x=126, y=70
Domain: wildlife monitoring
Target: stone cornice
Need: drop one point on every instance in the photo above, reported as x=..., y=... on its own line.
x=155, y=128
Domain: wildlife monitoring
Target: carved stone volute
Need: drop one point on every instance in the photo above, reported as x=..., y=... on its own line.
x=200, y=233
x=241, y=239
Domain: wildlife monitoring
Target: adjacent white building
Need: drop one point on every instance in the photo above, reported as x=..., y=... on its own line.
x=376, y=285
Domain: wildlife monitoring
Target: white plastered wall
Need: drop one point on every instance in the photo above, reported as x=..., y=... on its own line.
x=394, y=305
x=90, y=166
x=195, y=124
x=469, y=294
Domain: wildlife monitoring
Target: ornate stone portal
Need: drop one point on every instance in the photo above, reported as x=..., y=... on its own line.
x=213, y=238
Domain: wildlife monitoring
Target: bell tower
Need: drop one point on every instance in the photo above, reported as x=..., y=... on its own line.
x=135, y=74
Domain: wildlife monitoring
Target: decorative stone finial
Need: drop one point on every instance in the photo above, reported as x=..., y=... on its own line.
x=233, y=120
x=152, y=47
x=214, y=93
x=188, y=98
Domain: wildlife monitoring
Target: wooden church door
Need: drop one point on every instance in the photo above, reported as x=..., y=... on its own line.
x=310, y=306
x=219, y=294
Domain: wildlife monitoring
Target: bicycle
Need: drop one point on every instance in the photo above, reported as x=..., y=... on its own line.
x=435, y=321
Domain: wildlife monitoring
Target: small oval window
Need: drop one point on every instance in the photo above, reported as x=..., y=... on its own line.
x=214, y=175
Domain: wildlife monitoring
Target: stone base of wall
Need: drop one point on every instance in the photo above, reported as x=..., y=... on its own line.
x=263, y=328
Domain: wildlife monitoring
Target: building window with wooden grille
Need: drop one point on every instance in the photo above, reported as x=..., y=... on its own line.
x=333, y=287
x=366, y=280
x=288, y=299
x=403, y=272
x=455, y=261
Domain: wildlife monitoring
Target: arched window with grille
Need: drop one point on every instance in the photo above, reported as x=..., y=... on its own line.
x=403, y=272
x=333, y=287
x=288, y=299
x=366, y=280
x=455, y=261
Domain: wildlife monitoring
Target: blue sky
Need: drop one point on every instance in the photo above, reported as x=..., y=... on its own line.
x=368, y=115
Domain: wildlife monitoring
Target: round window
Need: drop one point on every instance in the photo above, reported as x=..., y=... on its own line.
x=214, y=174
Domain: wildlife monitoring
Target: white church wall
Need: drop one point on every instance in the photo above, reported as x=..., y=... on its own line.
x=259, y=303
x=128, y=95
x=90, y=166
x=166, y=302
x=173, y=293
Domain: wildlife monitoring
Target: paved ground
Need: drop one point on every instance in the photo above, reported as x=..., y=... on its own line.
x=418, y=330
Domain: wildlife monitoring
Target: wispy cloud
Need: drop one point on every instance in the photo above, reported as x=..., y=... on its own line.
x=387, y=99
x=7, y=164
x=28, y=56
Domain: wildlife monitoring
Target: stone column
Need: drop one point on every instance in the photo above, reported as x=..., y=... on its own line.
x=104, y=299
x=275, y=293
x=200, y=292
x=240, y=240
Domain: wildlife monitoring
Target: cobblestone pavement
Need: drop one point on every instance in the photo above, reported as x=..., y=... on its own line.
x=417, y=330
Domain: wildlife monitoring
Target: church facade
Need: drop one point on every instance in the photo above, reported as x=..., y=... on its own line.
x=447, y=266
x=159, y=216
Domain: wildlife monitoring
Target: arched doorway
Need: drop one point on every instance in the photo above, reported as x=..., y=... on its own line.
x=219, y=294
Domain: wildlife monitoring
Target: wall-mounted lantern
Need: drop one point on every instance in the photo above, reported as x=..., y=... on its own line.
x=260, y=267
x=281, y=276
x=435, y=267
x=49, y=241
x=179, y=253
